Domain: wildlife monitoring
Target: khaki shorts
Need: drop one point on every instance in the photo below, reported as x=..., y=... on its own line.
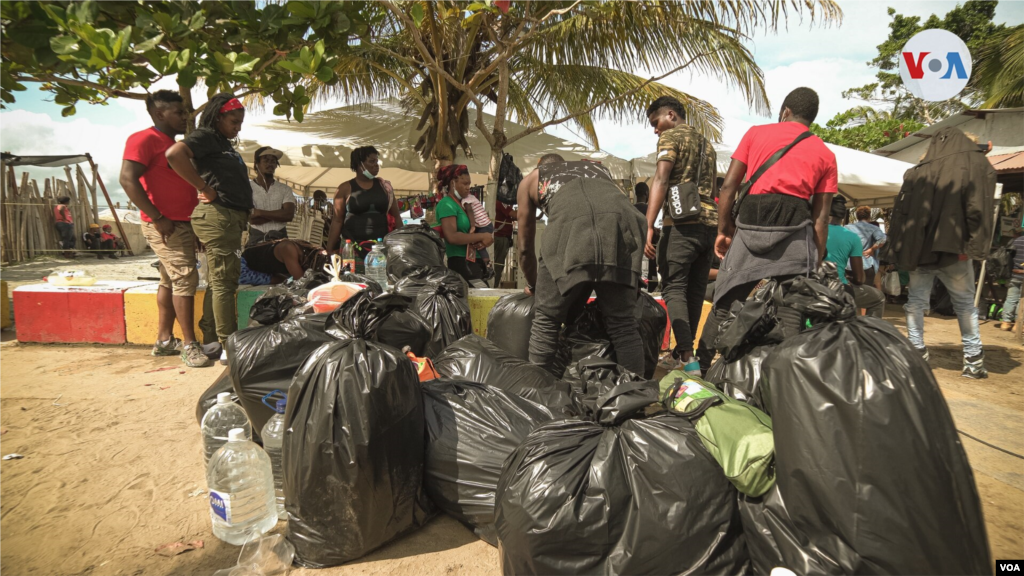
x=177, y=257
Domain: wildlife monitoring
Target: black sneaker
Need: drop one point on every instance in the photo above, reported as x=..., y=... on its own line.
x=974, y=367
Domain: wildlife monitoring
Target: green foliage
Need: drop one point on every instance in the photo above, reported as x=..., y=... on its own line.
x=560, y=61
x=999, y=69
x=92, y=51
x=865, y=129
x=971, y=21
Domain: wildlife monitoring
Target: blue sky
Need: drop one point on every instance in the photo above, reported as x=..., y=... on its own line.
x=828, y=59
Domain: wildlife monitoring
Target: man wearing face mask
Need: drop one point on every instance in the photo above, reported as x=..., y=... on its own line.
x=273, y=201
x=783, y=179
x=362, y=206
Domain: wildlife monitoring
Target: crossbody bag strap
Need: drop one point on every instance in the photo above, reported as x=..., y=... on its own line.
x=746, y=186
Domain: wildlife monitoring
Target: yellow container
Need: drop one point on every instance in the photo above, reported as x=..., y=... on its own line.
x=5, y=305
x=481, y=300
x=141, y=317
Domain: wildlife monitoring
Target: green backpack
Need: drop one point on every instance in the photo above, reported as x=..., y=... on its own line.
x=736, y=434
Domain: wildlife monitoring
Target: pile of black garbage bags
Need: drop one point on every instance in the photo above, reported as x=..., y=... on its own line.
x=597, y=469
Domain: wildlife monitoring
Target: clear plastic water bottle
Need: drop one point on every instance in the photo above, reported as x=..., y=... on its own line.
x=241, y=484
x=273, y=440
x=218, y=421
x=376, y=265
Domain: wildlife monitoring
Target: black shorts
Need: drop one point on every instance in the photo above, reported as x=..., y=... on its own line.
x=260, y=258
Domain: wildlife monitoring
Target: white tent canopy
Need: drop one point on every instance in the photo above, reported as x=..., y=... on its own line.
x=317, y=150
x=863, y=177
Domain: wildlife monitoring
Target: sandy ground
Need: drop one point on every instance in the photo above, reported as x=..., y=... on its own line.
x=112, y=457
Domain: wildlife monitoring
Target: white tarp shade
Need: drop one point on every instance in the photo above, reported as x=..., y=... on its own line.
x=326, y=139
x=304, y=180
x=863, y=177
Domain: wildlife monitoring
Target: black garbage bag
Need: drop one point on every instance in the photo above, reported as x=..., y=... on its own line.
x=477, y=359
x=741, y=378
x=746, y=337
x=471, y=429
x=388, y=319
x=510, y=323
x=371, y=284
x=274, y=305
x=587, y=335
x=617, y=493
x=772, y=539
x=265, y=358
x=441, y=297
x=868, y=461
x=353, y=451
x=412, y=247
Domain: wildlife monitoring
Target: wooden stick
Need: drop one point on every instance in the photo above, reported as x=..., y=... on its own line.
x=4, y=233
x=117, y=220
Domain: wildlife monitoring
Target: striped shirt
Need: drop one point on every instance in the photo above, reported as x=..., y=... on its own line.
x=273, y=199
x=479, y=213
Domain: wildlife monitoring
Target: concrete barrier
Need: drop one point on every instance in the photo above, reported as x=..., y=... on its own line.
x=72, y=314
x=141, y=316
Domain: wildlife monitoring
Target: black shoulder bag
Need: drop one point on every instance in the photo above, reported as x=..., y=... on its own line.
x=684, y=198
x=745, y=187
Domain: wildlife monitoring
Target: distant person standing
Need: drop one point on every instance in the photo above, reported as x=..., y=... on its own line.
x=942, y=219
x=845, y=251
x=782, y=223
x=273, y=201
x=362, y=206
x=225, y=199
x=504, y=217
x=65, y=224
x=1014, y=287
x=871, y=237
x=166, y=202
x=642, y=193
x=685, y=157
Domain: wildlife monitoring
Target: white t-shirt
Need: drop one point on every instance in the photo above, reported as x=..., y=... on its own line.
x=273, y=199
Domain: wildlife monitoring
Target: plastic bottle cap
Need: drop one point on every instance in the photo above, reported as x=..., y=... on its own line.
x=237, y=435
x=224, y=398
x=281, y=405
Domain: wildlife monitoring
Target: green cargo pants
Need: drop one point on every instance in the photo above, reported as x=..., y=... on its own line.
x=220, y=230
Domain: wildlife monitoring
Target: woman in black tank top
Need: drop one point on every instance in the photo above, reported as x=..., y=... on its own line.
x=362, y=205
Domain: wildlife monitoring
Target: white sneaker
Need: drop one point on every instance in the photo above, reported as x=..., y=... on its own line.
x=224, y=358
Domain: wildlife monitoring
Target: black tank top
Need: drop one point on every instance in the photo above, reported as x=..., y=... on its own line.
x=366, y=212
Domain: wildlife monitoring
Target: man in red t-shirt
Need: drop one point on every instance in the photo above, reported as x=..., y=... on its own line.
x=166, y=202
x=504, y=216
x=782, y=225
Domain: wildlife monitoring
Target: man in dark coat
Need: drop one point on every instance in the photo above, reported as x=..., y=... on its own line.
x=593, y=242
x=942, y=220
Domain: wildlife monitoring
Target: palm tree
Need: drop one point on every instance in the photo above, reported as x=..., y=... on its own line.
x=548, y=63
x=999, y=69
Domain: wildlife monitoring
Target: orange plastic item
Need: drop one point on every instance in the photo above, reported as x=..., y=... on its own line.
x=424, y=367
x=328, y=297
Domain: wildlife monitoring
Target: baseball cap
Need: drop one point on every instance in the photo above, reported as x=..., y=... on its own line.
x=267, y=150
x=107, y=227
x=96, y=226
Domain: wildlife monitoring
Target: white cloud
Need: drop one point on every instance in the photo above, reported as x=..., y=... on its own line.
x=33, y=133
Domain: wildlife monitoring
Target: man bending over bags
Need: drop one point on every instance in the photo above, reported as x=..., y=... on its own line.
x=593, y=242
